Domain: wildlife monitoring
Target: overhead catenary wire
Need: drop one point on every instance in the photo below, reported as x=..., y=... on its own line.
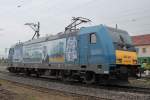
x=125, y=17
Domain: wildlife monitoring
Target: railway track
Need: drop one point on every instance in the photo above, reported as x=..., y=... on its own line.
x=130, y=89
x=123, y=88
x=104, y=92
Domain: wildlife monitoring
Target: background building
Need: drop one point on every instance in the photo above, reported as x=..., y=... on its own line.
x=142, y=44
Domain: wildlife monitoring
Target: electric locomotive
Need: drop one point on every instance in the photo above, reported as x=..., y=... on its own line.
x=88, y=54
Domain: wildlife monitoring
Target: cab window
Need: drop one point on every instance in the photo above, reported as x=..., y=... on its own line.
x=92, y=38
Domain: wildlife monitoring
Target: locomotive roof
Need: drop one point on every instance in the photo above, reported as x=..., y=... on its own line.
x=17, y=45
x=50, y=37
x=61, y=35
x=118, y=30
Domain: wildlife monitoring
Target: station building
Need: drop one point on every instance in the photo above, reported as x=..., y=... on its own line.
x=142, y=44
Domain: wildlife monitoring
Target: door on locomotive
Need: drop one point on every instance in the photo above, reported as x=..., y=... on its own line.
x=83, y=49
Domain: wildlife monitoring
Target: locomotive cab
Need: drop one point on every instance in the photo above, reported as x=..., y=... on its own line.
x=126, y=56
x=108, y=52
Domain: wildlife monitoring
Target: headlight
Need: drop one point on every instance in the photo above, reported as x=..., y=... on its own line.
x=119, y=60
x=134, y=61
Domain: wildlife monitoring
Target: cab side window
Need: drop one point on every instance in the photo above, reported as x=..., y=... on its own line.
x=93, y=38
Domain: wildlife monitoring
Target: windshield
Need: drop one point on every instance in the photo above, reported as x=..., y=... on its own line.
x=120, y=36
x=121, y=39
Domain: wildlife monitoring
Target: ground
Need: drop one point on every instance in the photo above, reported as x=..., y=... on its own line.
x=142, y=82
x=15, y=91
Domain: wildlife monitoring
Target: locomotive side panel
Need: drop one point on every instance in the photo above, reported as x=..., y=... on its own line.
x=96, y=49
x=17, y=57
x=54, y=51
x=71, y=53
x=33, y=53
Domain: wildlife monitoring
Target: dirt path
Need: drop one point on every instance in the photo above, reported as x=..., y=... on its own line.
x=17, y=91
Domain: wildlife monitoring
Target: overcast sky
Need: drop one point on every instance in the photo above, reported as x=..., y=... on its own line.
x=54, y=15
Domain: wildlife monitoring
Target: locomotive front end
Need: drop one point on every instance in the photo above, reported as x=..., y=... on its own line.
x=126, y=56
x=127, y=64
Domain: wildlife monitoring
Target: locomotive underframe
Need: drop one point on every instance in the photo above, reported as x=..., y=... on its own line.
x=88, y=74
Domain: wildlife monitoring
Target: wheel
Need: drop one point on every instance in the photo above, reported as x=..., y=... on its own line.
x=65, y=75
x=123, y=74
x=28, y=73
x=37, y=75
x=89, y=78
